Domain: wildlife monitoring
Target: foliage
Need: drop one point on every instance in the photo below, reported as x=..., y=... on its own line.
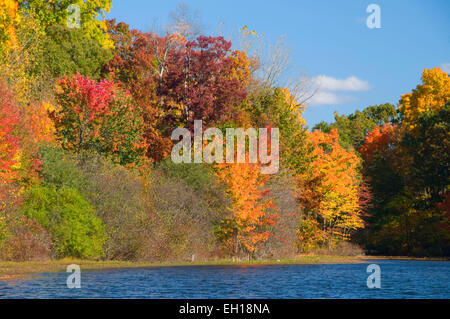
x=409, y=175
x=50, y=13
x=329, y=190
x=68, y=51
x=354, y=128
x=200, y=82
x=431, y=95
x=96, y=116
x=8, y=21
x=247, y=225
x=9, y=144
x=69, y=218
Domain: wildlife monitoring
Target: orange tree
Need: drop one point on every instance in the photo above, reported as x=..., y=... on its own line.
x=250, y=219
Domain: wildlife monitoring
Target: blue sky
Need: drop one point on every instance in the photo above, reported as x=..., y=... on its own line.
x=330, y=41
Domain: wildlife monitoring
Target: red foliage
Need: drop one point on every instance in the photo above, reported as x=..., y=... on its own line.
x=9, y=144
x=95, y=96
x=200, y=81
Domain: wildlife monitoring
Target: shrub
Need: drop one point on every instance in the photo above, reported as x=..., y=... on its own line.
x=21, y=238
x=117, y=195
x=69, y=218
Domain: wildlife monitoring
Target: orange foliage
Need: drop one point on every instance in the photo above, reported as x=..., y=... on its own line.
x=378, y=139
x=249, y=208
x=329, y=190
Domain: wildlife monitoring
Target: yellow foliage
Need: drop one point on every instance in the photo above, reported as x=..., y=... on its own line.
x=8, y=21
x=294, y=106
x=432, y=94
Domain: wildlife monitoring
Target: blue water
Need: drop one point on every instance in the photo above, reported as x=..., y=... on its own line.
x=399, y=279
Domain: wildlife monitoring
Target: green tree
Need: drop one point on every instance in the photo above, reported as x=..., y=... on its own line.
x=67, y=51
x=69, y=219
x=49, y=13
x=354, y=128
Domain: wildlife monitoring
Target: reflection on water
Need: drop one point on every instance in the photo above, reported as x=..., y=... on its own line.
x=399, y=279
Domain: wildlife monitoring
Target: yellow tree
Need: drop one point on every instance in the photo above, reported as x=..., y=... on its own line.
x=82, y=14
x=329, y=190
x=8, y=21
x=431, y=95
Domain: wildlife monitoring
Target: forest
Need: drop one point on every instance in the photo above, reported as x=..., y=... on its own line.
x=87, y=108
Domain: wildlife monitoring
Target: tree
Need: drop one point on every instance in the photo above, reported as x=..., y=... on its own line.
x=174, y=81
x=199, y=83
x=409, y=176
x=185, y=22
x=329, y=190
x=9, y=143
x=277, y=107
x=68, y=51
x=140, y=62
x=69, y=218
x=430, y=151
x=98, y=116
x=60, y=12
x=354, y=128
x=8, y=21
x=247, y=226
x=431, y=95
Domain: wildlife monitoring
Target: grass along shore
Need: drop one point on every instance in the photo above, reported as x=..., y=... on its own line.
x=10, y=270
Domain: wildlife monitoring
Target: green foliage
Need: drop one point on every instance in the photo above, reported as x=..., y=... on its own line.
x=410, y=178
x=3, y=230
x=68, y=51
x=274, y=107
x=50, y=13
x=118, y=196
x=354, y=128
x=60, y=169
x=430, y=151
x=198, y=176
x=70, y=220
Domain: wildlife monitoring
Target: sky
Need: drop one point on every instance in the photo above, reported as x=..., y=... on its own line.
x=352, y=65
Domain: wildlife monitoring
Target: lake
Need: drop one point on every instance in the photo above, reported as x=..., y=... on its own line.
x=399, y=279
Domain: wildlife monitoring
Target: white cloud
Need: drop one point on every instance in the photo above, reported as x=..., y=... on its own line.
x=446, y=67
x=327, y=87
x=351, y=83
x=328, y=98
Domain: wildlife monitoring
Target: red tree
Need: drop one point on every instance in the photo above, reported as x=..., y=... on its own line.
x=201, y=83
x=9, y=144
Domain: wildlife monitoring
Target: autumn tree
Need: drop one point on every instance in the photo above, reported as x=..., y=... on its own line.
x=9, y=143
x=431, y=95
x=329, y=190
x=98, y=116
x=250, y=219
x=50, y=13
x=9, y=18
x=199, y=83
x=353, y=128
x=174, y=81
x=67, y=51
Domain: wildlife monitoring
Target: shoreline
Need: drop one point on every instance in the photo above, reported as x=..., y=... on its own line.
x=10, y=270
